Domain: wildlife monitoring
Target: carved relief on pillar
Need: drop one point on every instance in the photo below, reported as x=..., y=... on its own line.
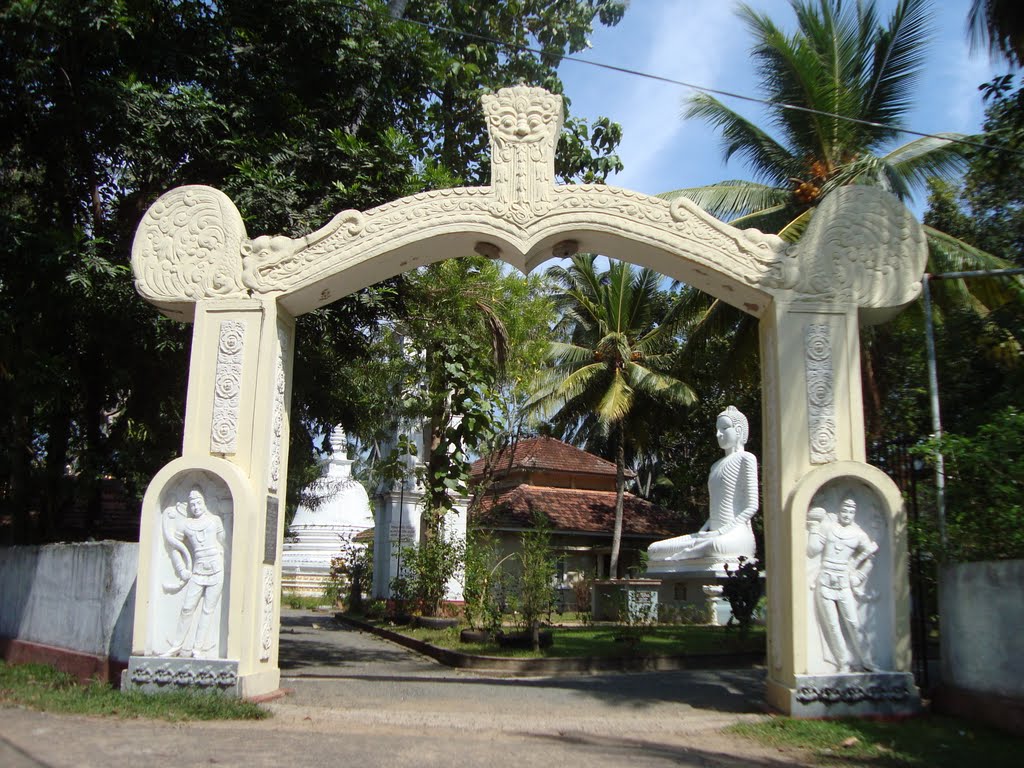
x=849, y=575
x=192, y=565
x=277, y=424
x=524, y=124
x=267, y=634
x=821, y=406
x=227, y=387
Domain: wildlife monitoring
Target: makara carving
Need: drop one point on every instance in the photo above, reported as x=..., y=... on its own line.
x=732, y=485
x=188, y=246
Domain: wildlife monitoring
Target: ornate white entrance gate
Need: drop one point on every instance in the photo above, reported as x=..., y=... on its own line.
x=207, y=610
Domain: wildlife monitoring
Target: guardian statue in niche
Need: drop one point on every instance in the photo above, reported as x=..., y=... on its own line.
x=732, y=487
x=844, y=550
x=196, y=540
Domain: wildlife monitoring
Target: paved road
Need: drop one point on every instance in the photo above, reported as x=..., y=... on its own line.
x=358, y=700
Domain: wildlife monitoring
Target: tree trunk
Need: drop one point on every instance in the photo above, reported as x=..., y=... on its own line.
x=620, y=489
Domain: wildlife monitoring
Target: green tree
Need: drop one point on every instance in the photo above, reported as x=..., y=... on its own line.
x=297, y=110
x=987, y=208
x=614, y=360
x=985, y=517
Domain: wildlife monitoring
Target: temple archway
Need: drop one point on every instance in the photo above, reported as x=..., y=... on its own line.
x=860, y=261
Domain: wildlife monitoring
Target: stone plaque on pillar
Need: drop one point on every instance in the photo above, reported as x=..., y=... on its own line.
x=270, y=532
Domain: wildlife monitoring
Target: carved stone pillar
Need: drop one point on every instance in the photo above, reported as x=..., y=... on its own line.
x=207, y=613
x=814, y=459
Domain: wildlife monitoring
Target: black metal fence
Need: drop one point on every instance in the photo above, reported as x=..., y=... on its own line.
x=908, y=472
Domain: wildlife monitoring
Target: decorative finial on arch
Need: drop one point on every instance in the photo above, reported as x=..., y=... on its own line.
x=524, y=124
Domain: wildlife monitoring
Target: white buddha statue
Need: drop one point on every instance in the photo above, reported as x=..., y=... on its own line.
x=732, y=486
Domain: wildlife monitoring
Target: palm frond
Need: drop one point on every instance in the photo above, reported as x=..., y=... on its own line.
x=897, y=59
x=617, y=400
x=664, y=387
x=766, y=156
x=795, y=229
x=728, y=199
x=949, y=254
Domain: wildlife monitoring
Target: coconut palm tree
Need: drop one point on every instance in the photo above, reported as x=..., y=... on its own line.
x=999, y=26
x=839, y=87
x=619, y=330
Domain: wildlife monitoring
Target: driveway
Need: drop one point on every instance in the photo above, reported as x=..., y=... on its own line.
x=355, y=699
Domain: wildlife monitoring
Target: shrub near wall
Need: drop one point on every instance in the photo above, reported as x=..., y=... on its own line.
x=71, y=605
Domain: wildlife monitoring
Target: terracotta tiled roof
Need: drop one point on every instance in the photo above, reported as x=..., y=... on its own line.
x=546, y=453
x=571, y=509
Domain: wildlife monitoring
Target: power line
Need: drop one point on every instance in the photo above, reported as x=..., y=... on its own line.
x=693, y=86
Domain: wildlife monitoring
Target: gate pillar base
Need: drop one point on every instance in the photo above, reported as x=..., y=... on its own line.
x=855, y=694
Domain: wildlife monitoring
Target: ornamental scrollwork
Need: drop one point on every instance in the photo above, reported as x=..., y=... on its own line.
x=187, y=247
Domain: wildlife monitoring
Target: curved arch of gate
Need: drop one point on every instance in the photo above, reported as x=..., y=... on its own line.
x=860, y=260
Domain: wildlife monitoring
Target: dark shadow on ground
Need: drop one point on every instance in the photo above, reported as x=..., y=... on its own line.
x=324, y=654
x=310, y=641
x=631, y=749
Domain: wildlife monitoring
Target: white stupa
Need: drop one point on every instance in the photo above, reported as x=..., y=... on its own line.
x=316, y=534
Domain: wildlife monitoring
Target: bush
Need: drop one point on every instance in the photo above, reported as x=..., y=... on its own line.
x=482, y=582
x=742, y=589
x=984, y=503
x=534, y=595
x=350, y=572
x=429, y=568
x=581, y=590
x=688, y=613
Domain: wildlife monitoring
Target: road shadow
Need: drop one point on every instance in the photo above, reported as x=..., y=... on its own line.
x=631, y=750
x=312, y=641
x=334, y=651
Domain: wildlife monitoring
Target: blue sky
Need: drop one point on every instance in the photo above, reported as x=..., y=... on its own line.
x=703, y=42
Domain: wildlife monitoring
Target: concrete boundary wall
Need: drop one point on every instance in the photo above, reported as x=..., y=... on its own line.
x=70, y=605
x=981, y=610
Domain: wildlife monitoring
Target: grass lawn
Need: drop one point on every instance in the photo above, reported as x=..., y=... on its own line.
x=40, y=687
x=928, y=742
x=601, y=640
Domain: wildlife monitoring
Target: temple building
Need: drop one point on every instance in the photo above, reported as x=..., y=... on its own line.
x=575, y=491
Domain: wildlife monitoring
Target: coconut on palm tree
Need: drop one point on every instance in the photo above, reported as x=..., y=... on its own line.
x=618, y=330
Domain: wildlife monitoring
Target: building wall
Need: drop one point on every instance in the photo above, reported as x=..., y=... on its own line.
x=74, y=602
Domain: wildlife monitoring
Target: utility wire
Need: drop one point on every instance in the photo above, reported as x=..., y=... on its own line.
x=693, y=86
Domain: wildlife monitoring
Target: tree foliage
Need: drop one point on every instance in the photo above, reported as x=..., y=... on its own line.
x=839, y=89
x=296, y=109
x=611, y=375
x=985, y=471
